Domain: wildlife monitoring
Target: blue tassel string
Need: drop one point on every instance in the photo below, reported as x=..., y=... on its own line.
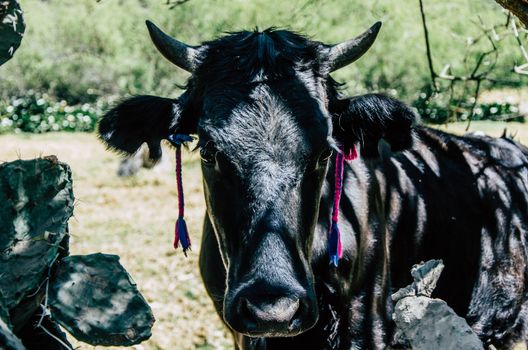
x=179, y=139
x=333, y=244
x=181, y=235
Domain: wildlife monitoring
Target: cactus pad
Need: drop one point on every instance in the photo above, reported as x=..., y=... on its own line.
x=11, y=28
x=9, y=341
x=36, y=202
x=95, y=299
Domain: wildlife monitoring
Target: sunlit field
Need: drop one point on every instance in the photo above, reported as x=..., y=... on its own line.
x=134, y=218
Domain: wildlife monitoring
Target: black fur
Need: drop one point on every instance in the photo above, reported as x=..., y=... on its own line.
x=366, y=119
x=137, y=120
x=267, y=113
x=245, y=57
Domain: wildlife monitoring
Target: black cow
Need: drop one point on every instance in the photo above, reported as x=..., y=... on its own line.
x=269, y=118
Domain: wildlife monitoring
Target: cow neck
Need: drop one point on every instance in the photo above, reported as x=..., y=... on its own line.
x=335, y=249
x=181, y=234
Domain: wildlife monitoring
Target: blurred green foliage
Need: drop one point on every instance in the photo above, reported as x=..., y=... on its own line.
x=38, y=113
x=441, y=109
x=82, y=50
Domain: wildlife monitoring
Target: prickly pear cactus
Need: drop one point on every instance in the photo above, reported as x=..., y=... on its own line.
x=36, y=201
x=11, y=28
x=4, y=312
x=92, y=296
x=9, y=341
x=96, y=300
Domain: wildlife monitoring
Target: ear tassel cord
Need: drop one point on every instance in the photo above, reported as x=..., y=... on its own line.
x=334, y=236
x=181, y=235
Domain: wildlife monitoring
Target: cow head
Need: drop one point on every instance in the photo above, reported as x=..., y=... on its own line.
x=268, y=117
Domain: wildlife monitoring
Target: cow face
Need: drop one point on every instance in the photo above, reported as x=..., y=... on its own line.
x=263, y=161
x=268, y=118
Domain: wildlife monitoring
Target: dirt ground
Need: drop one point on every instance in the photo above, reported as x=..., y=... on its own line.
x=134, y=218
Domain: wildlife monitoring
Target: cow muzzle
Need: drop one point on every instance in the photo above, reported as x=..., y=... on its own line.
x=275, y=313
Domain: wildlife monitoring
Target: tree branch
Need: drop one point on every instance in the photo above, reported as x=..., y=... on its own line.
x=523, y=68
x=173, y=3
x=428, y=49
x=518, y=7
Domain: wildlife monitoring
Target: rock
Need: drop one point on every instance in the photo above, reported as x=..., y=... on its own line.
x=429, y=324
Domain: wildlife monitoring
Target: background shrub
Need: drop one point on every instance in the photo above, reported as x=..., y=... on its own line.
x=80, y=51
x=38, y=113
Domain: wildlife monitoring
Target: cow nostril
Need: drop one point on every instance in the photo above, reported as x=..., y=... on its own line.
x=281, y=310
x=296, y=319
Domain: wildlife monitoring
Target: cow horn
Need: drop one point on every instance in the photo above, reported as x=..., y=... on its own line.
x=182, y=55
x=347, y=52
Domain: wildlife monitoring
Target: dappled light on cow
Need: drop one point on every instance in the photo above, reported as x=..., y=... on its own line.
x=263, y=106
x=273, y=131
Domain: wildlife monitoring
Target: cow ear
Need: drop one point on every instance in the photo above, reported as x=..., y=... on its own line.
x=141, y=119
x=367, y=119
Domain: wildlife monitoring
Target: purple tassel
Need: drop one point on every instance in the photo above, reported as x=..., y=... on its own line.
x=334, y=243
x=181, y=235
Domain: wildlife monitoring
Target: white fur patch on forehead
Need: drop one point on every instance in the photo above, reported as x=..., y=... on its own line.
x=264, y=142
x=261, y=129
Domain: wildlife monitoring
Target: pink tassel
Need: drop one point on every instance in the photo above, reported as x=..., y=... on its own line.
x=181, y=234
x=334, y=236
x=352, y=153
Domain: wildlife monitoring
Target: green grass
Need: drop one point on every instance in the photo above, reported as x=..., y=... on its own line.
x=134, y=218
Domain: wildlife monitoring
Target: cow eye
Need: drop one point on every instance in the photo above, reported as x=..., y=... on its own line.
x=325, y=155
x=208, y=153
